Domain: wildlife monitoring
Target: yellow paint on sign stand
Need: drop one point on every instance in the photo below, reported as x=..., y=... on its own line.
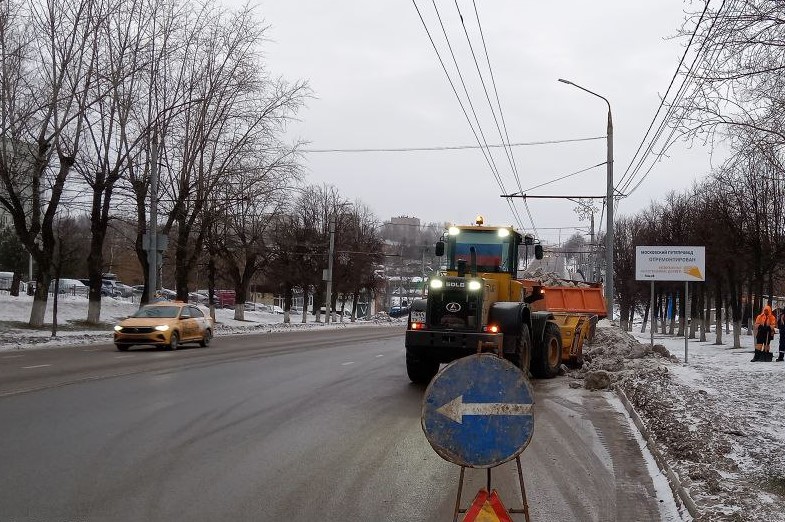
x=487, y=508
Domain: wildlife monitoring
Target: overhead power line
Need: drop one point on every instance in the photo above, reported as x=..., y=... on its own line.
x=482, y=143
x=629, y=175
x=456, y=147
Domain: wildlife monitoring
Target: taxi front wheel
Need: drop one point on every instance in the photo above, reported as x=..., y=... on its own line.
x=174, y=341
x=205, y=342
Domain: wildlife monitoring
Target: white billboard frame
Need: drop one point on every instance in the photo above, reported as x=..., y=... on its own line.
x=670, y=263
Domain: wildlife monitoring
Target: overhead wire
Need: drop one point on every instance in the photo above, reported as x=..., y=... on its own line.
x=670, y=140
x=456, y=147
x=483, y=143
x=505, y=134
x=624, y=187
x=665, y=96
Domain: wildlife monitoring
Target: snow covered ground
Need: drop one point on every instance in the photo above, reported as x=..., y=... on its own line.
x=72, y=329
x=719, y=420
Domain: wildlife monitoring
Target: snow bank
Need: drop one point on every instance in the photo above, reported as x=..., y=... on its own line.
x=717, y=420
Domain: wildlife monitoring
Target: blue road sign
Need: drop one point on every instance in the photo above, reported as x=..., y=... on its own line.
x=477, y=411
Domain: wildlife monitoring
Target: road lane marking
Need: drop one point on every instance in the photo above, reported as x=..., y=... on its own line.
x=347, y=363
x=12, y=356
x=380, y=355
x=36, y=366
x=122, y=356
x=95, y=350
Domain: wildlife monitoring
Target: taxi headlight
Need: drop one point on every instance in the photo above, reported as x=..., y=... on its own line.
x=436, y=283
x=475, y=285
x=162, y=328
x=118, y=328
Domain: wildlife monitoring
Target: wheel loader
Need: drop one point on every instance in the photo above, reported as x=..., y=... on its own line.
x=477, y=303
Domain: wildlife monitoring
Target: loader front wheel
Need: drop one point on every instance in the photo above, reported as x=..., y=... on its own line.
x=547, y=358
x=524, y=350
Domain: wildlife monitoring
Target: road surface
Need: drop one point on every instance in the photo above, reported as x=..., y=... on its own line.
x=316, y=425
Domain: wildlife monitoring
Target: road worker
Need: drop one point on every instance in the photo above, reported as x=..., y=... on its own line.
x=765, y=327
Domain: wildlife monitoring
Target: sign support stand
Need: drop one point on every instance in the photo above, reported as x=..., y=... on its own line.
x=651, y=315
x=524, y=510
x=497, y=351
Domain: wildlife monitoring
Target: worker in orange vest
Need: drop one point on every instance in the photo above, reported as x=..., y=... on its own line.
x=765, y=327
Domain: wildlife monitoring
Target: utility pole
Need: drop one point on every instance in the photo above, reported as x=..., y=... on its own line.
x=609, y=227
x=608, y=283
x=152, y=238
x=328, y=307
x=591, y=246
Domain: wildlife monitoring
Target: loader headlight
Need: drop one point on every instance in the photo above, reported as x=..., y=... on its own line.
x=503, y=232
x=474, y=285
x=436, y=283
x=453, y=231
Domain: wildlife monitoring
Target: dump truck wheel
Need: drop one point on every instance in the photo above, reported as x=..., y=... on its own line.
x=421, y=371
x=524, y=350
x=547, y=358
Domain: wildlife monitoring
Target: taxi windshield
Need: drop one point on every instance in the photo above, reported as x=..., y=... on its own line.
x=158, y=311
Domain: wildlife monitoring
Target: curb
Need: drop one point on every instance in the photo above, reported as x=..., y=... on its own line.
x=673, y=480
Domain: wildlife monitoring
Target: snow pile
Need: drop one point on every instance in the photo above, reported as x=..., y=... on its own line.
x=716, y=420
x=550, y=278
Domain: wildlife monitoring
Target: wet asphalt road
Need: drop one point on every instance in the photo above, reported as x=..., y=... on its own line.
x=303, y=426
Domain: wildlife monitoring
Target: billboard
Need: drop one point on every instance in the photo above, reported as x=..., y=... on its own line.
x=670, y=263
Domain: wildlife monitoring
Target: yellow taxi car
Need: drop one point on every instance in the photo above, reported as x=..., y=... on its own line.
x=167, y=323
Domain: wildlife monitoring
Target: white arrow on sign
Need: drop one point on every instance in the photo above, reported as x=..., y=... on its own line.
x=456, y=409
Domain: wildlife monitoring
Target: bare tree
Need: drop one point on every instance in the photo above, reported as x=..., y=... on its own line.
x=49, y=54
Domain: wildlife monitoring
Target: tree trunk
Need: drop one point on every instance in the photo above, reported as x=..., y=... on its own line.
x=645, y=316
x=355, y=300
x=305, y=303
x=737, y=334
x=719, y=301
x=287, y=302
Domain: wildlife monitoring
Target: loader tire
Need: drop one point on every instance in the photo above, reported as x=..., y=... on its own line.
x=547, y=357
x=523, y=352
x=421, y=371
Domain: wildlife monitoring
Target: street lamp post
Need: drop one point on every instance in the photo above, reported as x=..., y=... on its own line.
x=608, y=204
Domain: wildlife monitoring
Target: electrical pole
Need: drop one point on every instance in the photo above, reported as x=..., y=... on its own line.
x=152, y=238
x=591, y=246
x=609, y=226
x=330, y=271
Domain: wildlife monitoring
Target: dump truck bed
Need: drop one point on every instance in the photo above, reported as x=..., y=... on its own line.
x=588, y=300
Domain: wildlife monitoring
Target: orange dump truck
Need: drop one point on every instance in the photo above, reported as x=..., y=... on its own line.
x=576, y=309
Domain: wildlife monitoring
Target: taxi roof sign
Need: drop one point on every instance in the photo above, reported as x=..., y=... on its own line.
x=487, y=508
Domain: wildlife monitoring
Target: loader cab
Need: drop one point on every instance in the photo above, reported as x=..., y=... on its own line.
x=495, y=250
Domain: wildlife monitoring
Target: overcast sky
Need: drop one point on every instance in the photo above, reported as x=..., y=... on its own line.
x=379, y=84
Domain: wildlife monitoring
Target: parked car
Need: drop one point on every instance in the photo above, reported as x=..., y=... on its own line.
x=108, y=288
x=398, y=311
x=166, y=324
x=276, y=309
x=123, y=289
x=198, y=298
x=6, y=279
x=72, y=287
